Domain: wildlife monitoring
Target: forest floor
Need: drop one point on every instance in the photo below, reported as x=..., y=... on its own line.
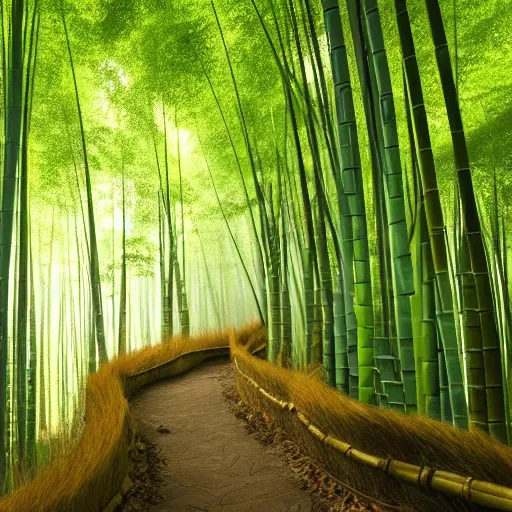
x=201, y=448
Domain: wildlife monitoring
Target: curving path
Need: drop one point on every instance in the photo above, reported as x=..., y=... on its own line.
x=213, y=464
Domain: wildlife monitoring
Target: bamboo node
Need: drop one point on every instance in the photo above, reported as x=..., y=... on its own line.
x=384, y=464
x=348, y=452
x=466, y=488
x=425, y=476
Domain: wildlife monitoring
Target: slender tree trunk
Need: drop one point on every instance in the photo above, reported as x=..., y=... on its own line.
x=12, y=125
x=122, y=296
x=49, y=323
x=168, y=323
x=434, y=217
x=42, y=377
x=483, y=351
x=32, y=377
x=113, y=266
x=264, y=221
x=182, y=289
x=163, y=297
x=94, y=262
x=351, y=178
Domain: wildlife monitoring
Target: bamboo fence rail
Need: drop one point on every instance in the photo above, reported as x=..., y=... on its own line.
x=474, y=491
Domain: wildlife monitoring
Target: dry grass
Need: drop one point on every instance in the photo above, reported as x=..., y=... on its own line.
x=383, y=433
x=91, y=473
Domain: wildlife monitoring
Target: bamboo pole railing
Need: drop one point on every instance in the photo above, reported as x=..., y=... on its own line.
x=468, y=488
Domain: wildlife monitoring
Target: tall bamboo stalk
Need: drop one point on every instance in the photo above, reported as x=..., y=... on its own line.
x=161, y=260
x=434, y=216
x=168, y=321
x=94, y=262
x=351, y=177
x=122, y=295
x=182, y=288
x=482, y=344
x=254, y=230
x=32, y=377
x=13, y=86
x=431, y=379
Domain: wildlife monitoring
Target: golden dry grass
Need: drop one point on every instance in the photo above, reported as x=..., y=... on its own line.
x=384, y=433
x=91, y=473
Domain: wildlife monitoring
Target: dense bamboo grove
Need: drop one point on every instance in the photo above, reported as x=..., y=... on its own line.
x=337, y=170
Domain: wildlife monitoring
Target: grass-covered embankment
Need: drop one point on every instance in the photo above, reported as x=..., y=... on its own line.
x=92, y=472
x=376, y=433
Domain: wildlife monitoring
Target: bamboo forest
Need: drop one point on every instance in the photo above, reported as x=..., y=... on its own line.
x=315, y=192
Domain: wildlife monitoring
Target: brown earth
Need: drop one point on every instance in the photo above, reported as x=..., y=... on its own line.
x=194, y=452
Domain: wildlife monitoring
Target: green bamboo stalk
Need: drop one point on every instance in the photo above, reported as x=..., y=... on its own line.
x=141, y=307
x=307, y=263
x=182, y=288
x=340, y=336
x=12, y=126
x=324, y=300
x=274, y=286
x=65, y=350
x=80, y=300
x=145, y=308
x=308, y=251
x=280, y=243
x=222, y=303
x=286, y=313
x=322, y=89
x=351, y=177
x=13, y=381
x=383, y=287
x=168, y=322
x=94, y=263
x=482, y=344
x=161, y=252
x=77, y=182
x=402, y=274
x=43, y=424
x=502, y=295
x=273, y=343
x=72, y=322
x=434, y=216
x=32, y=378
x=431, y=379
x=130, y=340
x=113, y=266
x=21, y=341
x=122, y=297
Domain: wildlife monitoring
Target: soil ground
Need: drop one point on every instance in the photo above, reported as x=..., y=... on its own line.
x=194, y=452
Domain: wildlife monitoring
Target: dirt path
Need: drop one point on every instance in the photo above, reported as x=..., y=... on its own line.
x=213, y=464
